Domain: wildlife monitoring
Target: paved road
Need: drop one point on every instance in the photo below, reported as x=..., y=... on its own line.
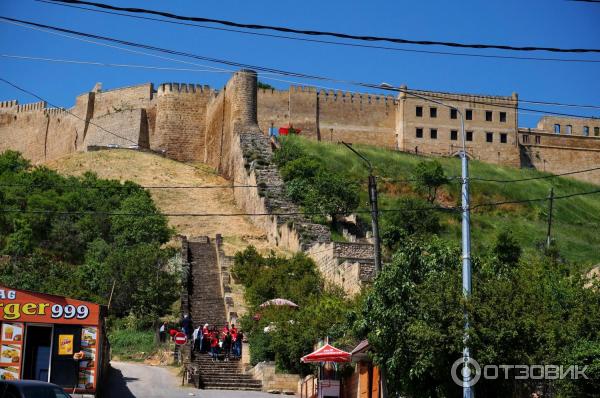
x=134, y=380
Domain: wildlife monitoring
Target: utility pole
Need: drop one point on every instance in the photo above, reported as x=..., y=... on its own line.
x=374, y=210
x=550, y=205
x=468, y=391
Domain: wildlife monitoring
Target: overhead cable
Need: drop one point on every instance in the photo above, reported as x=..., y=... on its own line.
x=333, y=34
x=337, y=43
x=264, y=69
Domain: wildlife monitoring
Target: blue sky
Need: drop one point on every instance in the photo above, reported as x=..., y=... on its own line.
x=555, y=23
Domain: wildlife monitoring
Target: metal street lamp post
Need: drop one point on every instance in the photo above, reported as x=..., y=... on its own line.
x=466, y=233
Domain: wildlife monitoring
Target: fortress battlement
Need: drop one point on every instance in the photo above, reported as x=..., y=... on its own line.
x=34, y=106
x=496, y=99
x=350, y=96
x=183, y=88
x=8, y=104
x=54, y=111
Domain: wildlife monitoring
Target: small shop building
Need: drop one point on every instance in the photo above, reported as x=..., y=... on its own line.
x=52, y=338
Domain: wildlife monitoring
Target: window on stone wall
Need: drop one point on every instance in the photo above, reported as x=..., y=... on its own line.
x=489, y=137
x=502, y=117
x=469, y=136
x=538, y=139
x=432, y=112
x=525, y=139
x=469, y=114
x=488, y=116
x=586, y=131
x=419, y=111
x=454, y=135
x=419, y=132
x=503, y=138
x=597, y=131
x=453, y=114
x=557, y=128
x=433, y=134
x=569, y=129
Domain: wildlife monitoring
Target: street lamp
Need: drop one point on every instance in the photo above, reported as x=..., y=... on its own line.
x=374, y=210
x=466, y=230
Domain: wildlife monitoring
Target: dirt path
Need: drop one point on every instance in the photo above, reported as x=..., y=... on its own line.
x=152, y=170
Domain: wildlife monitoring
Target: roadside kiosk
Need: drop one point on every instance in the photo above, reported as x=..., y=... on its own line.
x=328, y=383
x=52, y=338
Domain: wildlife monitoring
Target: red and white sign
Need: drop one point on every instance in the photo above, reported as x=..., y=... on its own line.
x=180, y=338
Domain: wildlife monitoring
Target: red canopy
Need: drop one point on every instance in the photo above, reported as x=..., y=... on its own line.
x=327, y=353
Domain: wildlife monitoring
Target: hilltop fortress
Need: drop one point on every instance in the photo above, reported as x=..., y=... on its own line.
x=227, y=129
x=181, y=120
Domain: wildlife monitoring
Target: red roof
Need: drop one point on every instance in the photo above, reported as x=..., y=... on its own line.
x=327, y=353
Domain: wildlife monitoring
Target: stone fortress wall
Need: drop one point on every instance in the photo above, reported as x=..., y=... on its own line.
x=331, y=116
x=174, y=118
x=227, y=129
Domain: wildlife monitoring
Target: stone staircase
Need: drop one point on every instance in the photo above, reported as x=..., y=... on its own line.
x=205, y=296
x=206, y=305
x=220, y=375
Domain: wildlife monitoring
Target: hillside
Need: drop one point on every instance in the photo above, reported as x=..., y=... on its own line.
x=148, y=169
x=576, y=220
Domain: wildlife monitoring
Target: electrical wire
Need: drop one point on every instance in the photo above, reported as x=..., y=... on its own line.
x=66, y=186
x=93, y=63
x=534, y=178
x=333, y=34
x=302, y=39
x=269, y=70
x=428, y=208
x=107, y=64
x=297, y=213
x=508, y=202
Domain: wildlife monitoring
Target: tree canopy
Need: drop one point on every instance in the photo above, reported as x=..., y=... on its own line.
x=77, y=236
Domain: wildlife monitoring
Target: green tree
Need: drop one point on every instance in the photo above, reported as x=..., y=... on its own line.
x=429, y=176
x=506, y=250
x=530, y=314
x=412, y=218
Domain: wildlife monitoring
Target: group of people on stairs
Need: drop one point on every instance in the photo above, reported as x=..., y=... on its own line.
x=222, y=344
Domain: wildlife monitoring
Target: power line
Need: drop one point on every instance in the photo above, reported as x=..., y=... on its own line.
x=333, y=34
x=267, y=69
x=106, y=64
x=95, y=63
x=370, y=46
x=427, y=208
x=298, y=213
x=68, y=186
x=425, y=93
x=535, y=178
x=66, y=111
x=508, y=202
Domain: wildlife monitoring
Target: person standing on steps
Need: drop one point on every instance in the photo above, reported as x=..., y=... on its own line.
x=238, y=343
x=186, y=326
x=227, y=346
x=214, y=345
x=197, y=338
x=234, y=332
x=205, y=343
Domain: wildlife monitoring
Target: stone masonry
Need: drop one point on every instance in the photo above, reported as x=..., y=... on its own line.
x=203, y=298
x=191, y=122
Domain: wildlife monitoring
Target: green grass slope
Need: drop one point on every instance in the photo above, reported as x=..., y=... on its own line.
x=576, y=226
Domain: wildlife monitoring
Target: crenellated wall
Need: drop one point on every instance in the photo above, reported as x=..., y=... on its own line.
x=328, y=115
x=181, y=120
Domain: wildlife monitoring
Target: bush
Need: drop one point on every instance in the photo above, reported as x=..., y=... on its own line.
x=61, y=251
x=292, y=332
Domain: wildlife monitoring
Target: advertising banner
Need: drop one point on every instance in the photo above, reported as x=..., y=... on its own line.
x=24, y=306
